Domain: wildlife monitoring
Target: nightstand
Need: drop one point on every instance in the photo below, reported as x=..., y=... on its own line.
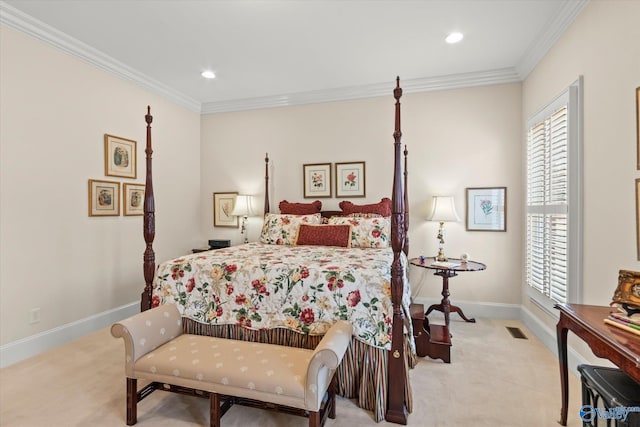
x=197, y=250
x=213, y=244
x=435, y=340
x=447, y=270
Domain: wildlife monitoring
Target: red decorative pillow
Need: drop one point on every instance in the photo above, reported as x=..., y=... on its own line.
x=383, y=207
x=324, y=235
x=300, y=208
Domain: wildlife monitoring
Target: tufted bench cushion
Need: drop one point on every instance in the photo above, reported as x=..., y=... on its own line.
x=237, y=368
x=157, y=350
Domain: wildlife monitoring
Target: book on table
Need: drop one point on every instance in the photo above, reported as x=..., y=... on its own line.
x=621, y=324
x=445, y=264
x=635, y=319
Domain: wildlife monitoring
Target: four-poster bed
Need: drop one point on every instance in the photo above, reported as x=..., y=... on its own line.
x=369, y=287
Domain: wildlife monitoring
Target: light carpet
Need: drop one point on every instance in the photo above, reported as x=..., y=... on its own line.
x=493, y=380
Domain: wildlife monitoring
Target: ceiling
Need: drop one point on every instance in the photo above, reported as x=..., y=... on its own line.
x=284, y=52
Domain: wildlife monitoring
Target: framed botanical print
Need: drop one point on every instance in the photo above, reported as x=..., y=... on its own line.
x=350, y=179
x=487, y=209
x=133, y=199
x=638, y=216
x=222, y=208
x=104, y=198
x=638, y=127
x=119, y=157
x=317, y=180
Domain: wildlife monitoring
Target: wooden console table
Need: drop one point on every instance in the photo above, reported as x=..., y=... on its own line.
x=587, y=322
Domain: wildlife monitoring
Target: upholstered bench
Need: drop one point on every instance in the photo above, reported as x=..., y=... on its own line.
x=228, y=371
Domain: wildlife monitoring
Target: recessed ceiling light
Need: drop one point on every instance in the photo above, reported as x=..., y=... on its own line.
x=208, y=74
x=454, y=38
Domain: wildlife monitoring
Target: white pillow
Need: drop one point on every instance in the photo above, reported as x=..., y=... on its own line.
x=366, y=232
x=282, y=229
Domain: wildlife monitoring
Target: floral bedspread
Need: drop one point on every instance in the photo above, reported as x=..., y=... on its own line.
x=303, y=288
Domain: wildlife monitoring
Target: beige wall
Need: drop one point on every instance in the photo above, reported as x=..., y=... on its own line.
x=51, y=144
x=601, y=45
x=456, y=139
x=55, y=110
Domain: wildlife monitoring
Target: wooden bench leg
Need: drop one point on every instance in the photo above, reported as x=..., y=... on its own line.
x=214, y=410
x=314, y=419
x=331, y=400
x=132, y=401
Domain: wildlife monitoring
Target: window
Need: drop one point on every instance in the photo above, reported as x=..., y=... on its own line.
x=554, y=200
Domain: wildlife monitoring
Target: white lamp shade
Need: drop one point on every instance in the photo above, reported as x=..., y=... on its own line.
x=443, y=209
x=243, y=206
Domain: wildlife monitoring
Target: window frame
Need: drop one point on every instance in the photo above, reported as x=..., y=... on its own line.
x=572, y=97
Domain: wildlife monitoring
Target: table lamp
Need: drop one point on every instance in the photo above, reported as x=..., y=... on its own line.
x=243, y=207
x=443, y=210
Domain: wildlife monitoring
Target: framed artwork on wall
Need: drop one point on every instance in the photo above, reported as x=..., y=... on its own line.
x=222, y=208
x=638, y=127
x=350, y=179
x=104, y=198
x=638, y=216
x=133, y=199
x=317, y=180
x=119, y=157
x=486, y=209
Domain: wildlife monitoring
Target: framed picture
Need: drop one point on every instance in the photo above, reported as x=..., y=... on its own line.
x=317, y=180
x=638, y=127
x=104, y=198
x=222, y=207
x=487, y=209
x=133, y=199
x=638, y=216
x=119, y=157
x=350, y=179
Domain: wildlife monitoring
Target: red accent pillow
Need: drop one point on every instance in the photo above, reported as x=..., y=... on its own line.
x=383, y=207
x=324, y=235
x=300, y=208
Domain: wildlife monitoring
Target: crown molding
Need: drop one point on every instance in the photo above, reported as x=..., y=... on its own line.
x=453, y=81
x=549, y=36
x=20, y=21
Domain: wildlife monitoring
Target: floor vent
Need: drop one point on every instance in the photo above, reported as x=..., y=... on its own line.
x=516, y=332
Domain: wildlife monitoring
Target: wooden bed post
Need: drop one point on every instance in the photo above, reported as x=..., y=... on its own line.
x=266, y=183
x=396, y=372
x=406, y=203
x=149, y=223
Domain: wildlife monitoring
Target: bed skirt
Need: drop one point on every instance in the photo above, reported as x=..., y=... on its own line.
x=362, y=375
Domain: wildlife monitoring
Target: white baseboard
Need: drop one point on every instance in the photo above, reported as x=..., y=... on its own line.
x=24, y=348
x=479, y=309
x=30, y=346
x=541, y=331
x=548, y=338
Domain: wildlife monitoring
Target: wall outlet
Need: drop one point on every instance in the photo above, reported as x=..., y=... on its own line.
x=34, y=315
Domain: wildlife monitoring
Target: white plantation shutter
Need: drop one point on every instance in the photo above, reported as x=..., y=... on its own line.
x=553, y=172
